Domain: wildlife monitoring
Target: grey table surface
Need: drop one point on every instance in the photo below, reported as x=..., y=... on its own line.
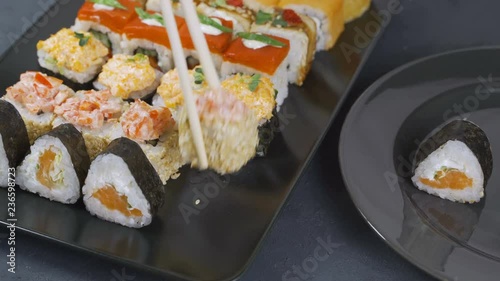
x=319, y=207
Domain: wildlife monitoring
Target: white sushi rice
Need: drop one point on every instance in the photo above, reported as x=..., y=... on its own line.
x=279, y=79
x=90, y=73
x=4, y=165
x=66, y=192
x=109, y=169
x=457, y=155
x=165, y=58
x=322, y=24
x=114, y=38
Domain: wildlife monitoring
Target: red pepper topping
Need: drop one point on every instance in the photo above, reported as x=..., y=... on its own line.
x=291, y=17
x=235, y=3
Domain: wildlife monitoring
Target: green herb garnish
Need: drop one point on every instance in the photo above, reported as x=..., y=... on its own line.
x=275, y=94
x=209, y=21
x=83, y=39
x=147, y=16
x=263, y=17
x=101, y=37
x=279, y=21
x=219, y=3
x=254, y=83
x=138, y=57
x=199, y=77
x=109, y=3
x=261, y=38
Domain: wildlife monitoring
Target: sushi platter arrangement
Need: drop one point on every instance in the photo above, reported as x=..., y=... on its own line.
x=425, y=174
x=103, y=143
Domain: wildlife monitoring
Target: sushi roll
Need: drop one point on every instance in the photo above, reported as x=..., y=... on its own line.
x=94, y=113
x=129, y=77
x=77, y=56
x=328, y=15
x=56, y=166
x=233, y=11
x=299, y=30
x=154, y=5
x=256, y=53
x=261, y=5
x=169, y=93
x=35, y=97
x=146, y=34
x=230, y=132
x=14, y=141
x=354, y=9
x=122, y=186
x=454, y=163
x=153, y=128
x=105, y=20
x=218, y=35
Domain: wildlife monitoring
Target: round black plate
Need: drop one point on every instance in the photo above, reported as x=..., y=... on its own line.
x=451, y=241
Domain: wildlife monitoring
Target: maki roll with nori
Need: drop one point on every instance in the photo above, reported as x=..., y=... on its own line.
x=56, y=166
x=454, y=163
x=129, y=77
x=35, y=97
x=14, y=142
x=152, y=127
x=122, y=186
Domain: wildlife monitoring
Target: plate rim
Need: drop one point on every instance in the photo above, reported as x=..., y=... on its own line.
x=349, y=121
x=294, y=181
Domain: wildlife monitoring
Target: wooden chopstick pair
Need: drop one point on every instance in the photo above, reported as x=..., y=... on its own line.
x=209, y=70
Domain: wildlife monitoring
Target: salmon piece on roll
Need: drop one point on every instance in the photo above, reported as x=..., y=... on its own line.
x=300, y=30
x=329, y=17
x=256, y=53
x=106, y=21
x=146, y=34
x=218, y=34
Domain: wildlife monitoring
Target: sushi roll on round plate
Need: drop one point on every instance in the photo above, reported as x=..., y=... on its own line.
x=14, y=141
x=122, y=186
x=129, y=77
x=105, y=20
x=77, y=56
x=35, y=96
x=56, y=166
x=454, y=163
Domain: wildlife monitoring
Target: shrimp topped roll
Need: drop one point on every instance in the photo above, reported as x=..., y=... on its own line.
x=152, y=127
x=77, y=56
x=129, y=77
x=96, y=114
x=35, y=97
x=230, y=132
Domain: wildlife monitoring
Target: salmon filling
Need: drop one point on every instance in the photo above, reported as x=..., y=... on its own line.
x=110, y=198
x=46, y=168
x=448, y=178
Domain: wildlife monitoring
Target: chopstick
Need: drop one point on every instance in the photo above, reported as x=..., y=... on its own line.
x=182, y=69
x=200, y=44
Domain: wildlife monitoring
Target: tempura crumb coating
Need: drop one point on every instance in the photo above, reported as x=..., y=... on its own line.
x=230, y=133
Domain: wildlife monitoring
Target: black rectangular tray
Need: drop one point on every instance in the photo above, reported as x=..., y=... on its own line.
x=211, y=226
